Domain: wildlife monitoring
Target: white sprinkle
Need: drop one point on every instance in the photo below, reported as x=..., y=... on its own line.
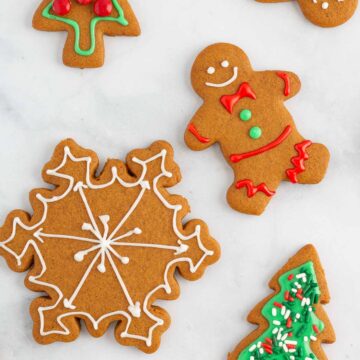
x=259, y=344
x=261, y=351
x=303, y=302
x=294, y=291
x=308, y=302
x=275, y=331
x=306, y=338
x=292, y=350
x=298, y=276
x=304, y=279
x=288, y=312
x=325, y=5
x=284, y=337
x=297, y=285
x=298, y=316
x=283, y=309
x=252, y=358
x=313, y=338
x=292, y=342
x=274, y=312
x=280, y=344
x=276, y=322
x=310, y=309
x=292, y=357
x=252, y=348
x=285, y=348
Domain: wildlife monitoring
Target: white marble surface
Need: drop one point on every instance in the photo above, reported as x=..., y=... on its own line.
x=143, y=93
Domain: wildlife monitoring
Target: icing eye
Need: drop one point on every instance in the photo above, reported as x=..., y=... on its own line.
x=245, y=115
x=225, y=64
x=211, y=70
x=255, y=132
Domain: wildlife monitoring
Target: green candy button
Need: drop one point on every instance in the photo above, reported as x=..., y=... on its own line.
x=255, y=132
x=245, y=115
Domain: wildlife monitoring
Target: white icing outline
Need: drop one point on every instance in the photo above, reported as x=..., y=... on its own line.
x=226, y=83
x=134, y=307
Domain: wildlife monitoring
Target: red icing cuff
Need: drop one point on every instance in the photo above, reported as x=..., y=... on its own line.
x=286, y=80
x=252, y=189
x=298, y=161
x=195, y=132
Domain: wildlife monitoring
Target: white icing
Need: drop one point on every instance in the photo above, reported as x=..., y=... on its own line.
x=225, y=64
x=226, y=83
x=325, y=5
x=211, y=70
x=102, y=243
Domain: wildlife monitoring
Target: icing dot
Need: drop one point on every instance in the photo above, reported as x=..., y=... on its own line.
x=245, y=115
x=225, y=64
x=211, y=70
x=325, y=5
x=255, y=132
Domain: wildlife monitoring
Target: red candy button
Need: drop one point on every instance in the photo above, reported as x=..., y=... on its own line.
x=61, y=7
x=84, y=2
x=103, y=7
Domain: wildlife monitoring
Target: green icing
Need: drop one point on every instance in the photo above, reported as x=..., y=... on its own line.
x=304, y=322
x=245, y=115
x=120, y=19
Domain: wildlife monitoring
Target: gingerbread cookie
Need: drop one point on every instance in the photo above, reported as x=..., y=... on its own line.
x=104, y=248
x=292, y=323
x=86, y=22
x=243, y=111
x=325, y=13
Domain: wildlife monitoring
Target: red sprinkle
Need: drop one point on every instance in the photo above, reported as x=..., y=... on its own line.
x=290, y=346
x=291, y=299
x=286, y=295
x=268, y=340
x=290, y=334
x=291, y=276
x=288, y=322
x=266, y=346
x=103, y=7
x=269, y=351
x=300, y=291
x=299, y=296
x=278, y=305
x=316, y=329
x=61, y=7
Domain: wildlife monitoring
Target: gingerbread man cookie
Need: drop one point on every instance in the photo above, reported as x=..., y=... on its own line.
x=325, y=13
x=243, y=111
x=104, y=248
x=292, y=323
x=86, y=22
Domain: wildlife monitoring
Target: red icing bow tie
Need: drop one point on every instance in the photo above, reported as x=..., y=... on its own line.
x=229, y=101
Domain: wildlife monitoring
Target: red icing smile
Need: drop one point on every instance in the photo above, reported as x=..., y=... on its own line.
x=237, y=157
x=194, y=131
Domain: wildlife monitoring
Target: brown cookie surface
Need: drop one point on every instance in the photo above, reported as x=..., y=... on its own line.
x=86, y=23
x=104, y=247
x=325, y=13
x=292, y=323
x=243, y=111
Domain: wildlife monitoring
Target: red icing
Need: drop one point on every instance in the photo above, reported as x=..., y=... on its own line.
x=194, y=131
x=252, y=189
x=61, y=7
x=298, y=161
x=84, y=2
x=229, y=101
x=103, y=7
x=237, y=157
x=286, y=79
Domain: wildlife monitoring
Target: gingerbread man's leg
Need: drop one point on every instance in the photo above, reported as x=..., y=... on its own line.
x=251, y=196
x=315, y=166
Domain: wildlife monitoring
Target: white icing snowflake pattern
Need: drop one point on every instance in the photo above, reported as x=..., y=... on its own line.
x=109, y=249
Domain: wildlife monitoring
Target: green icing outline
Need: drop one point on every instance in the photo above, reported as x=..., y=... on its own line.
x=305, y=324
x=120, y=19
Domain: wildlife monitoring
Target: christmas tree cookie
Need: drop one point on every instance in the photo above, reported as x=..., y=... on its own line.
x=292, y=323
x=243, y=111
x=104, y=248
x=86, y=22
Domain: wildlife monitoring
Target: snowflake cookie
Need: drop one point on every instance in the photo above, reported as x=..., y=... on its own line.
x=105, y=247
x=86, y=22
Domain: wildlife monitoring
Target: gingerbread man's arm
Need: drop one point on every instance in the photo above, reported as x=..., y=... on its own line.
x=281, y=84
x=203, y=129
